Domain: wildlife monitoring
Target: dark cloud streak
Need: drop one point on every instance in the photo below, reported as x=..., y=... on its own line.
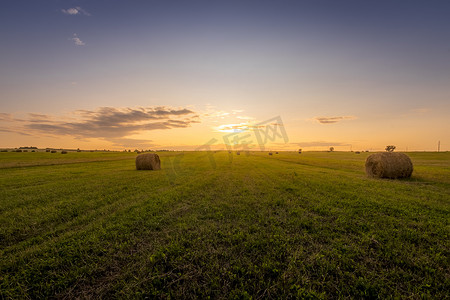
x=108, y=123
x=331, y=120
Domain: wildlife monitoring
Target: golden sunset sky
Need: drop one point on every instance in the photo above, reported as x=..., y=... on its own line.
x=181, y=74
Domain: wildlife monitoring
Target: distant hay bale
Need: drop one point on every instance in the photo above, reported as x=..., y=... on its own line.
x=25, y=150
x=270, y=153
x=53, y=151
x=238, y=153
x=148, y=161
x=47, y=150
x=276, y=152
x=63, y=152
x=389, y=165
x=357, y=152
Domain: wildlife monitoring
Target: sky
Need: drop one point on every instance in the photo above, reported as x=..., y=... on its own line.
x=199, y=75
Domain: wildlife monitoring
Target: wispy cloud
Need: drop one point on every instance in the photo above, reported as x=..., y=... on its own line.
x=38, y=117
x=109, y=123
x=217, y=115
x=331, y=120
x=75, y=11
x=77, y=40
x=10, y=130
x=241, y=127
x=5, y=117
x=233, y=127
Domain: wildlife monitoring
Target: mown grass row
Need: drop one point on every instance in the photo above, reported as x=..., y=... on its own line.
x=28, y=159
x=255, y=226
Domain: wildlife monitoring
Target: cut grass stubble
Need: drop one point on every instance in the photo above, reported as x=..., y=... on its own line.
x=263, y=226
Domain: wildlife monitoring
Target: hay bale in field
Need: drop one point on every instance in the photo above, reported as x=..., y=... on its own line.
x=63, y=152
x=47, y=150
x=53, y=151
x=389, y=165
x=270, y=153
x=357, y=152
x=238, y=153
x=276, y=152
x=148, y=161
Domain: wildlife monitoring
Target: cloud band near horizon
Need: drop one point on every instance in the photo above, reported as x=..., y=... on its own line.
x=108, y=123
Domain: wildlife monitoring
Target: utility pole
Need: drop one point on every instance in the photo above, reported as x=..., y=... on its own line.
x=439, y=146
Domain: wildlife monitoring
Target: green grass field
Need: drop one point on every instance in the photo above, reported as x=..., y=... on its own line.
x=313, y=225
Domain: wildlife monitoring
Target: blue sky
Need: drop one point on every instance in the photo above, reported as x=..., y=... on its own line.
x=378, y=67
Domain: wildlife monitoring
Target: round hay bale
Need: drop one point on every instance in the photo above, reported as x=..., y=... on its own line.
x=148, y=161
x=238, y=153
x=270, y=153
x=53, y=151
x=389, y=165
x=63, y=152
